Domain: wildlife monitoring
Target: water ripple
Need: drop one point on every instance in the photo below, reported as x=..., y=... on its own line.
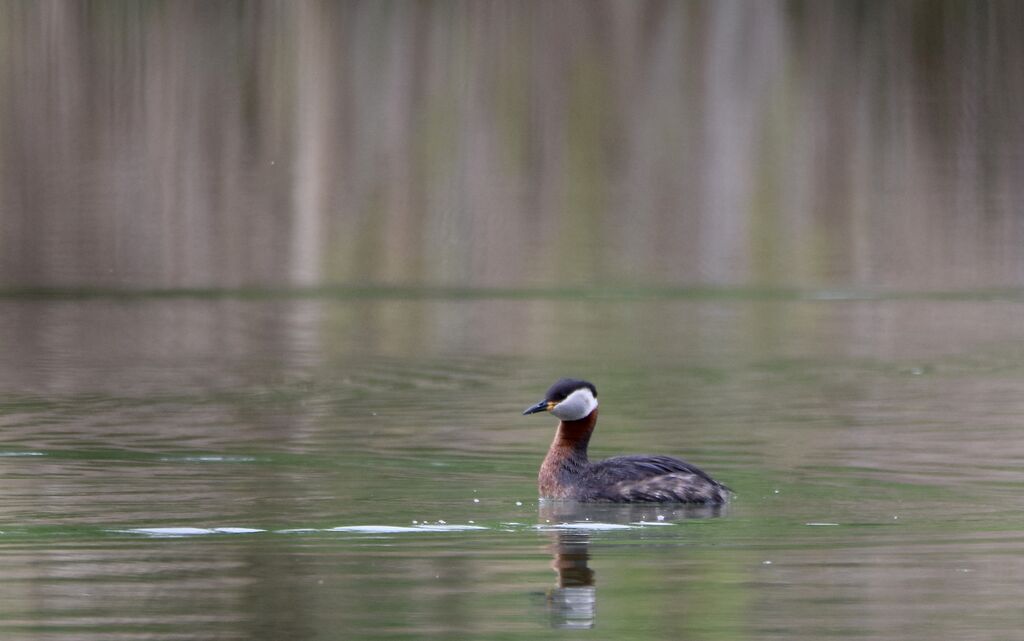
x=184, y=531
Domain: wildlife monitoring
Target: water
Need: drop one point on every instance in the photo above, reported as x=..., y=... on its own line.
x=278, y=278
x=350, y=466
x=475, y=144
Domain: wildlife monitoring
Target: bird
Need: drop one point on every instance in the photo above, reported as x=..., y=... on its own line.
x=567, y=473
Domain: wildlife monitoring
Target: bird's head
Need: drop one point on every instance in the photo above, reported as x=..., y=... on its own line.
x=569, y=399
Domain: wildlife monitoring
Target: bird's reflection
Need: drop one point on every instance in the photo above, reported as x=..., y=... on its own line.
x=572, y=603
x=573, y=599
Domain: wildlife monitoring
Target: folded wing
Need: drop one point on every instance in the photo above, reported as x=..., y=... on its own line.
x=656, y=478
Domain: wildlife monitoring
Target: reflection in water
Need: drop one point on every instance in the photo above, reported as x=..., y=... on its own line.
x=573, y=600
x=284, y=143
x=263, y=414
x=572, y=603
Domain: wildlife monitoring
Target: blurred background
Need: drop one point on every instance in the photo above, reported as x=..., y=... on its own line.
x=511, y=144
x=291, y=266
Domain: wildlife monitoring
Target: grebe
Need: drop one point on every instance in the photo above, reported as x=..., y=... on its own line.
x=566, y=473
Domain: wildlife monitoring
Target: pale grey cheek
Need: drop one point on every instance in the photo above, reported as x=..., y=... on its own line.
x=575, y=407
x=567, y=410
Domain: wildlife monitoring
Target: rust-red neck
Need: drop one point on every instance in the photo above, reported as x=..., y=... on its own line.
x=567, y=458
x=575, y=435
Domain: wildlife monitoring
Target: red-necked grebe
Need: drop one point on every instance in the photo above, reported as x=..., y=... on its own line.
x=567, y=473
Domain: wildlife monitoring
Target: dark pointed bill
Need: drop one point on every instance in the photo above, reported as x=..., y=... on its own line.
x=539, y=407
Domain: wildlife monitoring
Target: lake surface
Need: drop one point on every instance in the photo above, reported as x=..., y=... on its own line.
x=277, y=279
x=512, y=144
x=353, y=464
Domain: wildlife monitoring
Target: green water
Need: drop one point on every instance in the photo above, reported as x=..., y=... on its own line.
x=278, y=278
x=347, y=464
